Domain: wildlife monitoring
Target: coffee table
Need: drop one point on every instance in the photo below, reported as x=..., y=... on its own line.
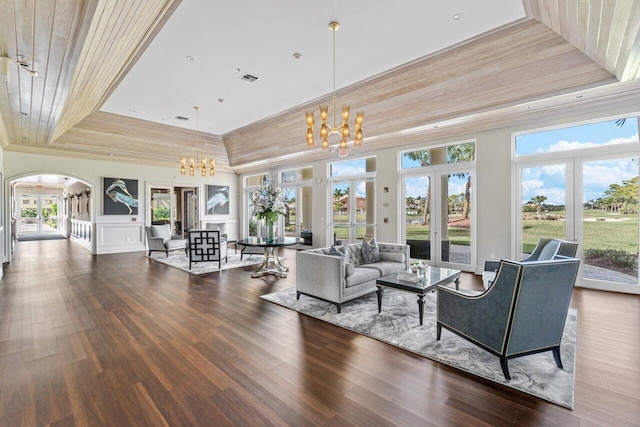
x=434, y=277
x=270, y=250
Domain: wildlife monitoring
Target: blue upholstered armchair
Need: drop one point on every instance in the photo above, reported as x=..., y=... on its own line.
x=522, y=313
x=546, y=249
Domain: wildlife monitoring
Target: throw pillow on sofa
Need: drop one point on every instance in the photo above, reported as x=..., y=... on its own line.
x=370, y=252
x=342, y=251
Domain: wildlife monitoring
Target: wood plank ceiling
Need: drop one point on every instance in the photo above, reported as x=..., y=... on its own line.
x=518, y=73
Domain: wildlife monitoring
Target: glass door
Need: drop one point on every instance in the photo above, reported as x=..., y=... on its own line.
x=601, y=214
x=438, y=219
x=39, y=214
x=608, y=223
x=417, y=215
x=455, y=228
x=353, y=213
x=545, y=202
x=298, y=213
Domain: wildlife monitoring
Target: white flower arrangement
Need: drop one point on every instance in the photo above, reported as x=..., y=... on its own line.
x=268, y=202
x=418, y=266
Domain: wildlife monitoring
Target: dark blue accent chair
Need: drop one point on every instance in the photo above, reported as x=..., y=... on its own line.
x=522, y=313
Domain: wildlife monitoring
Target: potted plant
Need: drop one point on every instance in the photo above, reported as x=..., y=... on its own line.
x=268, y=204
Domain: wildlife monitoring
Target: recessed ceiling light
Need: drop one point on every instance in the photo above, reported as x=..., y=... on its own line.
x=190, y=58
x=220, y=100
x=579, y=96
x=457, y=16
x=23, y=113
x=297, y=55
x=133, y=111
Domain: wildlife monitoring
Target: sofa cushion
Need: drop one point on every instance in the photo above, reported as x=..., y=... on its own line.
x=361, y=275
x=392, y=256
x=175, y=244
x=385, y=267
x=163, y=231
x=349, y=269
x=340, y=251
x=370, y=252
x=355, y=254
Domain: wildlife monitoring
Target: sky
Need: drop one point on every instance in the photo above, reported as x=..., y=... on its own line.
x=545, y=180
x=549, y=181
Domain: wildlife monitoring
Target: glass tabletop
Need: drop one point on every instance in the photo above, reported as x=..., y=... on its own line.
x=434, y=276
x=262, y=242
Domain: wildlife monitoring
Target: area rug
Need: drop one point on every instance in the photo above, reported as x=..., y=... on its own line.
x=398, y=325
x=179, y=260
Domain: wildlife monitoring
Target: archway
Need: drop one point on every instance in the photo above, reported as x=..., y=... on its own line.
x=45, y=205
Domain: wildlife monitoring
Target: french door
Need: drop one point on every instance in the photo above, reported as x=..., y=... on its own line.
x=297, y=217
x=437, y=212
x=39, y=214
x=352, y=210
x=591, y=199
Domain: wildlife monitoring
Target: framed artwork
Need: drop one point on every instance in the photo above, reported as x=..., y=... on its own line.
x=120, y=196
x=217, y=200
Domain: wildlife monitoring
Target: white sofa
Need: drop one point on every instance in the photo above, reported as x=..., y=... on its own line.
x=332, y=279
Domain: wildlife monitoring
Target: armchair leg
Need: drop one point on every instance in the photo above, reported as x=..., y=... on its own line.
x=167, y=252
x=339, y=307
x=297, y=295
x=438, y=331
x=556, y=356
x=149, y=253
x=505, y=367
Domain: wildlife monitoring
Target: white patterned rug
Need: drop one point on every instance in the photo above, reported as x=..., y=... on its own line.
x=179, y=260
x=398, y=325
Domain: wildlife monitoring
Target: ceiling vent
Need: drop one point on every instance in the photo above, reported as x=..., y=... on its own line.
x=184, y=119
x=248, y=78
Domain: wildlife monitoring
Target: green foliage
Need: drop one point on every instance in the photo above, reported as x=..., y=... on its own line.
x=422, y=156
x=615, y=257
x=620, y=198
x=29, y=212
x=161, y=214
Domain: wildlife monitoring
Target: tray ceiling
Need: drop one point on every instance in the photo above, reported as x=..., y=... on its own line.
x=112, y=75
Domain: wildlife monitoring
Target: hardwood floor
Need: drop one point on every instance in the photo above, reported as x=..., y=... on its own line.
x=121, y=340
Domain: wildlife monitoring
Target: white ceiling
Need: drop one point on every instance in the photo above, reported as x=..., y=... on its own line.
x=229, y=38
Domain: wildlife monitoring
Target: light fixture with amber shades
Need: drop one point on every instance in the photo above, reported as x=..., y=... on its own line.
x=197, y=162
x=341, y=129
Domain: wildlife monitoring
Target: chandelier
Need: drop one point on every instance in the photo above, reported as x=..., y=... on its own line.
x=197, y=161
x=342, y=128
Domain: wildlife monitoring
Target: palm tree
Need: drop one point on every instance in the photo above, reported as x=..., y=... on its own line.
x=538, y=201
x=463, y=153
x=424, y=157
x=337, y=193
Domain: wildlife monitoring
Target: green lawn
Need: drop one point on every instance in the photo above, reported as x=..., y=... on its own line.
x=621, y=235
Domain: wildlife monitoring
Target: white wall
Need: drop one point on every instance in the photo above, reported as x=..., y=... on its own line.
x=117, y=233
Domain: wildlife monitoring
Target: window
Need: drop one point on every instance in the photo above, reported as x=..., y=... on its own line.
x=350, y=167
x=580, y=182
x=352, y=200
x=437, y=204
x=456, y=153
x=599, y=134
x=298, y=190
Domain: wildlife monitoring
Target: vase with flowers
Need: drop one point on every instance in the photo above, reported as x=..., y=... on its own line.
x=268, y=204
